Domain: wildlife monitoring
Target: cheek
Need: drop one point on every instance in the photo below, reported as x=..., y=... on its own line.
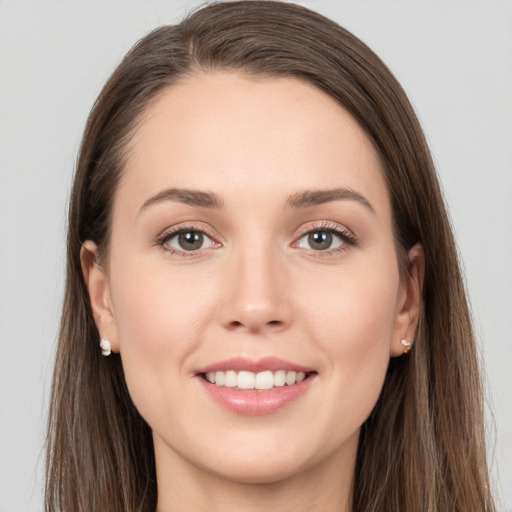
x=356, y=311
x=159, y=319
x=353, y=323
x=155, y=304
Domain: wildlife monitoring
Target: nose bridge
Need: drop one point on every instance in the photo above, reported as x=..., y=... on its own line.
x=256, y=297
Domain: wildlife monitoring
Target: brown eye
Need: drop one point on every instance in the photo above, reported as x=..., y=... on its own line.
x=324, y=240
x=320, y=240
x=188, y=241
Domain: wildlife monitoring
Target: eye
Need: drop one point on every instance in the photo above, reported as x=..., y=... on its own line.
x=188, y=240
x=324, y=240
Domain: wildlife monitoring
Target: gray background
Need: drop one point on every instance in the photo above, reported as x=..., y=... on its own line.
x=454, y=58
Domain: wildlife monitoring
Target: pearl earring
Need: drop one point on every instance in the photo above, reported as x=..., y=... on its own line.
x=106, y=349
x=407, y=346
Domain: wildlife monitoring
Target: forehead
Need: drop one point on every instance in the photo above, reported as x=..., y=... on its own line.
x=244, y=136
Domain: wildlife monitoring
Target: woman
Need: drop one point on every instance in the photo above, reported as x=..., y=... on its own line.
x=258, y=243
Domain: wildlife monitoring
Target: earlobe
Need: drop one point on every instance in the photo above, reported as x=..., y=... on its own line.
x=96, y=282
x=411, y=303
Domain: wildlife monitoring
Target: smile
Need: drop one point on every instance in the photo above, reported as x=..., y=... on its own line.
x=255, y=387
x=247, y=380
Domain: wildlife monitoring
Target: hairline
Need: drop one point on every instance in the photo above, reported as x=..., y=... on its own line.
x=196, y=69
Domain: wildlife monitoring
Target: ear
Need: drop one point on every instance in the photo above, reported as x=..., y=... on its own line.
x=96, y=282
x=410, y=301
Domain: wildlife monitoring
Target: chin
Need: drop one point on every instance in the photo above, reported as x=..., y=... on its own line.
x=273, y=471
x=276, y=462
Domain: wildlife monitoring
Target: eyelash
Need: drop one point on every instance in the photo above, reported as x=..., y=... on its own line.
x=346, y=236
x=172, y=232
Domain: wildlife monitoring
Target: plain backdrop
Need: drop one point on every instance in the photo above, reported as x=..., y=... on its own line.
x=454, y=59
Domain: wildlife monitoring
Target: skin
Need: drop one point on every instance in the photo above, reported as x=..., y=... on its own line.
x=256, y=289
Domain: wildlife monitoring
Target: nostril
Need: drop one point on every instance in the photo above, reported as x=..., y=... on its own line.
x=254, y=326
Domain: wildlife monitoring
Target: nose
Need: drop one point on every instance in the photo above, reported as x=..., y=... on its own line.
x=256, y=296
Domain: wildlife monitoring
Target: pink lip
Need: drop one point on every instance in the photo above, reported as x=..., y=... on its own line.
x=255, y=402
x=239, y=364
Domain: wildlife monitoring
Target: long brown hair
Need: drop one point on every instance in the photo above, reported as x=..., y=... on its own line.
x=422, y=448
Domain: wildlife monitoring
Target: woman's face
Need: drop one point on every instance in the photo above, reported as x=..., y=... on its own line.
x=252, y=245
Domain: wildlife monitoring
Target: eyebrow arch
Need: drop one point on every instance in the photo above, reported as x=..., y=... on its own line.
x=191, y=197
x=316, y=197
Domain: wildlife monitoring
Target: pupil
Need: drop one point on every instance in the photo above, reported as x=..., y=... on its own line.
x=320, y=240
x=191, y=240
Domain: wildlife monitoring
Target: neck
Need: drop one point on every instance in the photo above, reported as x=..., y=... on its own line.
x=324, y=487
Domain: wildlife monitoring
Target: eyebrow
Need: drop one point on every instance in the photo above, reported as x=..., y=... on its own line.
x=200, y=198
x=304, y=199
x=317, y=197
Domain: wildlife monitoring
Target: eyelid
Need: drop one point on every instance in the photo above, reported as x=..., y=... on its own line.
x=171, y=232
x=348, y=237
x=339, y=230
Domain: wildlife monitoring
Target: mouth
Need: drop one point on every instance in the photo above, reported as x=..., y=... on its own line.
x=261, y=381
x=250, y=387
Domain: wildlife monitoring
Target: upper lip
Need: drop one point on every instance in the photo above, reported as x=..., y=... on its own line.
x=260, y=365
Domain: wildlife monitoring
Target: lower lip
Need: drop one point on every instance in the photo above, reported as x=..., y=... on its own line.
x=255, y=401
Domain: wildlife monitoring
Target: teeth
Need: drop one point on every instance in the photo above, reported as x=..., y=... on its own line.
x=280, y=378
x=230, y=379
x=264, y=380
x=251, y=380
x=219, y=377
x=290, y=378
x=245, y=380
